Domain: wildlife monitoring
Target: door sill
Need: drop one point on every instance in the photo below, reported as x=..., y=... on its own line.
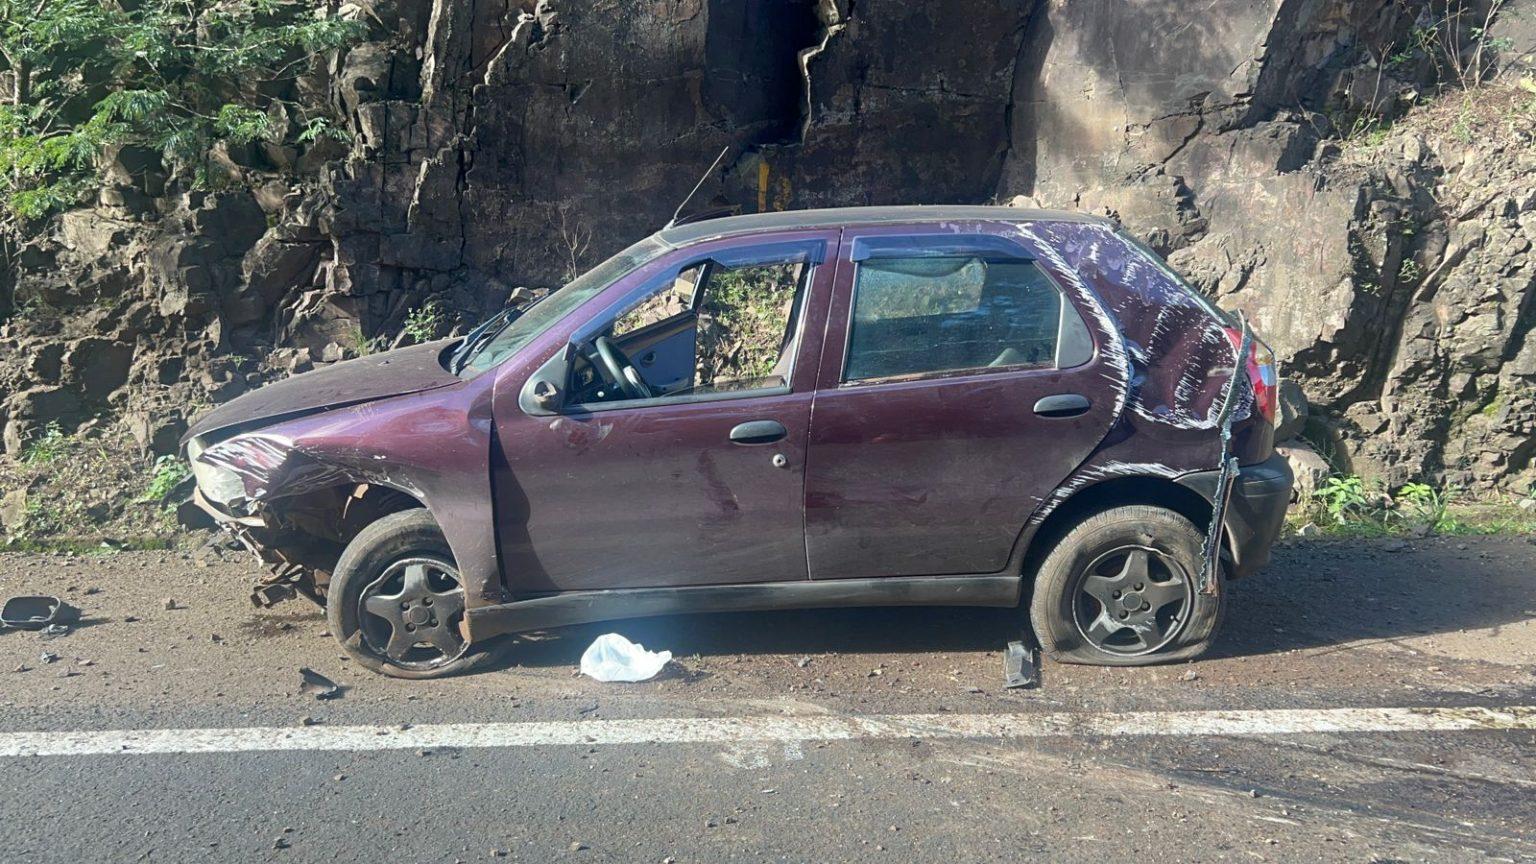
x=586, y=607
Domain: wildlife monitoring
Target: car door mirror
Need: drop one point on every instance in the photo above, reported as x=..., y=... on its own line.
x=542, y=393
x=546, y=395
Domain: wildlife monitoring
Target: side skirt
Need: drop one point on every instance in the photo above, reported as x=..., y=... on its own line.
x=585, y=607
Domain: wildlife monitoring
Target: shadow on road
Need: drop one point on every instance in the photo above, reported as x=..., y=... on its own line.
x=1321, y=594
x=816, y=631
x=1312, y=595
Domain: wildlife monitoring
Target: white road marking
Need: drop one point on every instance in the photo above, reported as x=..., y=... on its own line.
x=759, y=730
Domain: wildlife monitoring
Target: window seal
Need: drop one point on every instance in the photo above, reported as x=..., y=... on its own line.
x=686, y=399
x=947, y=374
x=983, y=246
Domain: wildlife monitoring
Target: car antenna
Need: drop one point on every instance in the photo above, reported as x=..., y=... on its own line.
x=695, y=190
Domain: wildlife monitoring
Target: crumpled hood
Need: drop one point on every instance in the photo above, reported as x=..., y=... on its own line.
x=377, y=376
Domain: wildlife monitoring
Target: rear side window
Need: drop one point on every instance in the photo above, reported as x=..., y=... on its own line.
x=918, y=316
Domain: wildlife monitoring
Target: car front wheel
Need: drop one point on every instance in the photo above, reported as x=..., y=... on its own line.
x=1119, y=589
x=396, y=600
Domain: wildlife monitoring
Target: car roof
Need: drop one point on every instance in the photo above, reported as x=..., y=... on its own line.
x=837, y=217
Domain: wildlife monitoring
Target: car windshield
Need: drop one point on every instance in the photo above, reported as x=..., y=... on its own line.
x=543, y=314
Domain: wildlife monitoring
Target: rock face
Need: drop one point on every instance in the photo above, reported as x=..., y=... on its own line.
x=499, y=143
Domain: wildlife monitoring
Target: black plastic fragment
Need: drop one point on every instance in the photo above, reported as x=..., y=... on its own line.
x=314, y=684
x=35, y=612
x=1021, y=666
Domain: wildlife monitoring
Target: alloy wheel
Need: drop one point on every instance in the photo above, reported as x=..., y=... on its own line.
x=1132, y=600
x=410, y=615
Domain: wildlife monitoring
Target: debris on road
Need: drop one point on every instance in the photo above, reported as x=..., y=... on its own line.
x=312, y=683
x=611, y=657
x=1021, y=666
x=171, y=604
x=48, y=657
x=35, y=612
x=54, y=631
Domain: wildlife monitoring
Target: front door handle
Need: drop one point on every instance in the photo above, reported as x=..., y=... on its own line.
x=1063, y=405
x=758, y=432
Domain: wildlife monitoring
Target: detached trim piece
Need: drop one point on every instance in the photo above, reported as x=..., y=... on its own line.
x=585, y=607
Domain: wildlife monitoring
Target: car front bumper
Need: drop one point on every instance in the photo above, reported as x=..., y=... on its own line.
x=1260, y=495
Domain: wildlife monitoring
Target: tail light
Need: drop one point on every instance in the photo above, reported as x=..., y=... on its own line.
x=1260, y=365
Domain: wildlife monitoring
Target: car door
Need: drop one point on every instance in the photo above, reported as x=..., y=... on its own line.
x=702, y=484
x=959, y=385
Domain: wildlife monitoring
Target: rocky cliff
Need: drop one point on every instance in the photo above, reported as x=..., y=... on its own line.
x=1312, y=162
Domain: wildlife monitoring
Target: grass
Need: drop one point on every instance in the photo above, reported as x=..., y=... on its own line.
x=361, y=345
x=86, y=545
x=47, y=447
x=1348, y=506
x=426, y=321
x=87, y=488
x=167, y=472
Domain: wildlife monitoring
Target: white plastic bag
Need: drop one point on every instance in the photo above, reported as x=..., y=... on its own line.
x=613, y=658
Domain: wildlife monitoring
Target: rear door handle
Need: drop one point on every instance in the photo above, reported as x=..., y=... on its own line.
x=1063, y=405
x=758, y=432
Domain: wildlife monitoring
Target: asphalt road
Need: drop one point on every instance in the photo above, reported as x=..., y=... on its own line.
x=870, y=735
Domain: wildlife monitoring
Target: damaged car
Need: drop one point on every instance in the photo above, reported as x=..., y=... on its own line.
x=920, y=406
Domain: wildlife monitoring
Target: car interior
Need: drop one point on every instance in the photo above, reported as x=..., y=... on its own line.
x=712, y=327
x=919, y=315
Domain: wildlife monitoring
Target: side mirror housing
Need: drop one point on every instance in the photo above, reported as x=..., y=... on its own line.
x=546, y=395
x=542, y=393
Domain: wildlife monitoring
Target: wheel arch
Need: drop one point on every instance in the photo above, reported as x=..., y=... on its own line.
x=312, y=528
x=1157, y=491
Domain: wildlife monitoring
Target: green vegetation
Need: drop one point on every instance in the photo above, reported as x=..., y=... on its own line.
x=743, y=317
x=46, y=447
x=425, y=322
x=86, y=546
x=1347, y=505
x=167, y=472
x=75, y=492
x=53, y=516
x=361, y=346
x=176, y=76
x=1457, y=45
x=1342, y=498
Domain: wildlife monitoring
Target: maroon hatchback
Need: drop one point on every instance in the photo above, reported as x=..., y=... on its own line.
x=874, y=406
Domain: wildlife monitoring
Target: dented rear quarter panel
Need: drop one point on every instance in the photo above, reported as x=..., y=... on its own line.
x=1170, y=358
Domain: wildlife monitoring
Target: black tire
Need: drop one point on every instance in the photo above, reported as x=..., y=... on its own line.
x=1169, y=619
x=408, y=539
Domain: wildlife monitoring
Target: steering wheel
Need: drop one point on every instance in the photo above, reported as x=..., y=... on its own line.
x=620, y=370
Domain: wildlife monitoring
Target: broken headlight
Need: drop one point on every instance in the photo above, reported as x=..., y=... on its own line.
x=219, y=485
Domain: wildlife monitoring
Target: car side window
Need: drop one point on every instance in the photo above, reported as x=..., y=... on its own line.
x=726, y=323
x=915, y=316
x=673, y=300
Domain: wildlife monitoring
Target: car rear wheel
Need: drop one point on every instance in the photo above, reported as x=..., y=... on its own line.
x=396, y=600
x=1119, y=590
